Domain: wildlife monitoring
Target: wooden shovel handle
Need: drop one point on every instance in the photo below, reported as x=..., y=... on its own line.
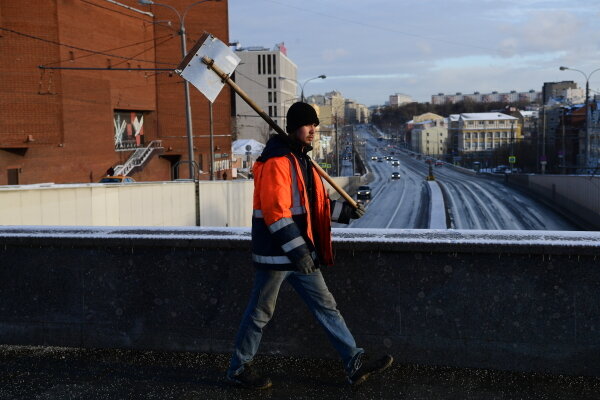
x=226, y=79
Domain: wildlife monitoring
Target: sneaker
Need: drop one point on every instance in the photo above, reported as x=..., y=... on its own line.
x=249, y=379
x=368, y=368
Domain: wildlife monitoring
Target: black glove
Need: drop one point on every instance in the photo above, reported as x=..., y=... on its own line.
x=306, y=265
x=358, y=212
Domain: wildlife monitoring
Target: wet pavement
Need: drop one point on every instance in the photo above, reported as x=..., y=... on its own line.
x=28, y=372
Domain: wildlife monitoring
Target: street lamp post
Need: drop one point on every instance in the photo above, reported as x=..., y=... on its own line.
x=306, y=81
x=186, y=87
x=586, y=142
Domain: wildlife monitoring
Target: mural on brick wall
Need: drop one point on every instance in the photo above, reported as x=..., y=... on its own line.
x=129, y=129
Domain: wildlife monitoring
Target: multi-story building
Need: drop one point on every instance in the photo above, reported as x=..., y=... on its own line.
x=269, y=78
x=399, y=99
x=551, y=91
x=330, y=108
x=476, y=132
x=105, y=93
x=510, y=97
x=356, y=113
x=429, y=134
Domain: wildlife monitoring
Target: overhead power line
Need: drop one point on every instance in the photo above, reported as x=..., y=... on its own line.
x=170, y=36
x=382, y=28
x=79, y=48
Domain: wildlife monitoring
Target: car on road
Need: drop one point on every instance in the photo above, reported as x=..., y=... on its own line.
x=388, y=158
x=116, y=179
x=439, y=163
x=395, y=163
x=395, y=175
x=379, y=159
x=364, y=192
x=374, y=158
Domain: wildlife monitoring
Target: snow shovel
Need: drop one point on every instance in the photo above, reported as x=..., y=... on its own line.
x=208, y=66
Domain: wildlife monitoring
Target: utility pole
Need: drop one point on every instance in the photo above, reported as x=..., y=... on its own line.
x=563, y=156
x=337, y=152
x=352, y=139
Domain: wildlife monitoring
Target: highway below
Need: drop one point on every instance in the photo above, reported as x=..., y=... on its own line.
x=472, y=201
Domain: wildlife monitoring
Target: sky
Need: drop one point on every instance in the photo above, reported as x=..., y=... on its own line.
x=371, y=49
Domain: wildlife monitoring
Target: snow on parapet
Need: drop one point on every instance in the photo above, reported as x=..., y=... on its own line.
x=429, y=236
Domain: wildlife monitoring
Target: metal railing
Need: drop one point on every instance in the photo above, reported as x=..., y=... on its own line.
x=138, y=158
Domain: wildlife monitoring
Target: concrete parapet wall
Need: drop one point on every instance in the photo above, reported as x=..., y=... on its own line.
x=514, y=300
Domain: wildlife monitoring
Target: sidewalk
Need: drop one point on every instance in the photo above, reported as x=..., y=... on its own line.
x=64, y=373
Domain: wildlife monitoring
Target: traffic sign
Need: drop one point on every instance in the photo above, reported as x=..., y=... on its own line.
x=512, y=159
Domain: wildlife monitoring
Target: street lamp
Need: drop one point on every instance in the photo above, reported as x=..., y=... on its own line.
x=306, y=81
x=186, y=87
x=586, y=143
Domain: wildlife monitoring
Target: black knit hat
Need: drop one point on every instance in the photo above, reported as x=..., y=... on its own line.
x=300, y=114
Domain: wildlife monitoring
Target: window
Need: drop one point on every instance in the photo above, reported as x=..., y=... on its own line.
x=270, y=97
x=259, y=70
x=274, y=64
x=275, y=83
x=270, y=111
x=274, y=97
x=264, y=56
x=275, y=111
x=269, y=56
x=269, y=83
x=481, y=122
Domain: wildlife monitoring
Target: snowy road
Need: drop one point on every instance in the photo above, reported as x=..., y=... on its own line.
x=472, y=202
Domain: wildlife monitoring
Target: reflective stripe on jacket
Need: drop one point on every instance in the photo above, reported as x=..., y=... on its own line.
x=283, y=228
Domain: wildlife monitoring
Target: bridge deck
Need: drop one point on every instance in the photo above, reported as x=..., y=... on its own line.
x=67, y=373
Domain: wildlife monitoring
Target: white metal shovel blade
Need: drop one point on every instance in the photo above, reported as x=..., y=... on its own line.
x=193, y=70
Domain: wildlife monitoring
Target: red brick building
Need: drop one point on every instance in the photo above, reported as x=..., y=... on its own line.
x=64, y=123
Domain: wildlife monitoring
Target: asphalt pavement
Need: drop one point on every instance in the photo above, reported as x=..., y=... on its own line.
x=70, y=373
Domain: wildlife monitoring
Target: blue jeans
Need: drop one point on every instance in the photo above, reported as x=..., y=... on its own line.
x=314, y=292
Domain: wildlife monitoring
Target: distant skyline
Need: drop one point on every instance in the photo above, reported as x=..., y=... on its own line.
x=370, y=50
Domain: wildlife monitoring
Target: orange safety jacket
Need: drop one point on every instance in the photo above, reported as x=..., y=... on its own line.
x=285, y=226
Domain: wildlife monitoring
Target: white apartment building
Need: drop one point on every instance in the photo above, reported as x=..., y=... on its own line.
x=398, y=99
x=429, y=135
x=510, y=97
x=269, y=78
x=567, y=96
x=472, y=132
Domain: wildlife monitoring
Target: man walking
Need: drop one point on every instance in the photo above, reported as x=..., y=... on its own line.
x=291, y=240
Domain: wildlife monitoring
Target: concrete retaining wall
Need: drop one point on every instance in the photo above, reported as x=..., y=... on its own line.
x=510, y=300
x=218, y=203
x=576, y=195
